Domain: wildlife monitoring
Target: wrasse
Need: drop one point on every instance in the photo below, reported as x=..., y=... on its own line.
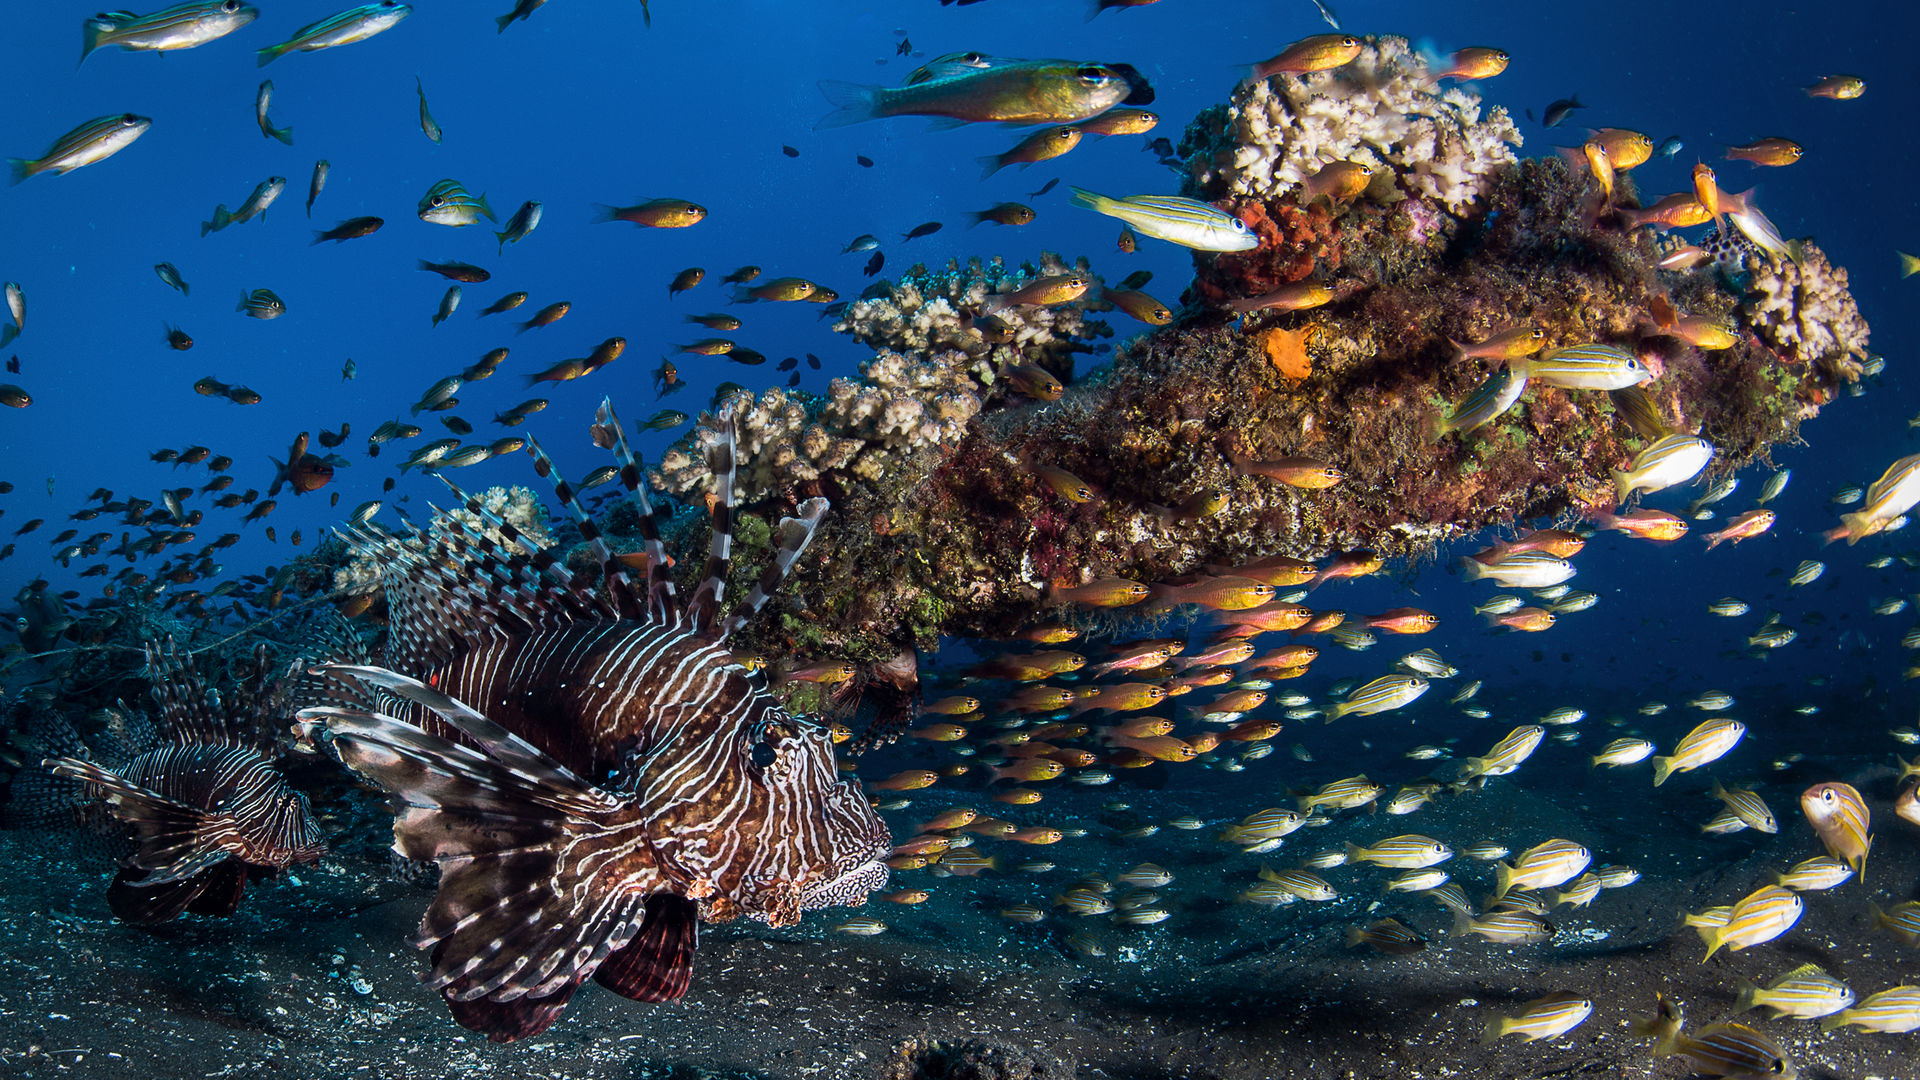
x=183, y=26
x=1177, y=220
x=346, y=28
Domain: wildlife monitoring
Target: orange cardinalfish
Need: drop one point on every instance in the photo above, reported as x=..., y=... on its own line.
x=1772, y=151
x=1286, y=656
x=1139, y=656
x=948, y=820
x=1252, y=731
x=1351, y=564
x=1530, y=620
x=1219, y=594
x=1601, y=166
x=939, y=733
x=1270, y=616
x=1297, y=296
x=1646, y=524
x=1028, y=770
x=1750, y=524
x=906, y=780
x=923, y=845
x=1118, y=697
x=1320, y=52
x=1277, y=570
x=1224, y=653
x=1680, y=210
x=1716, y=200
x=1474, y=62
x=1035, y=699
x=1508, y=344
x=1035, y=834
x=1157, y=747
x=1322, y=622
x=1103, y=592
x=1402, y=620
x=1301, y=472
x=1556, y=542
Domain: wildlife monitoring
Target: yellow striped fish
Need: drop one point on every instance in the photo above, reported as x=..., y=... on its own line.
x=1891, y=1011
x=1902, y=921
x=1384, y=694
x=1805, y=993
x=1759, y=917
x=1719, y=1049
x=1542, y=1018
x=1302, y=884
x=1507, y=754
x=1187, y=222
x=1542, y=866
x=1667, y=461
x=1815, y=874
x=1840, y=816
x=346, y=28
x=1341, y=794
x=1503, y=927
x=94, y=141
x=1750, y=808
x=1623, y=752
x=1591, y=366
x=183, y=26
x=1705, y=744
x=1408, y=852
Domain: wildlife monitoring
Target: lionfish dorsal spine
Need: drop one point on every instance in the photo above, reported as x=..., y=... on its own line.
x=795, y=534
x=704, y=609
x=661, y=599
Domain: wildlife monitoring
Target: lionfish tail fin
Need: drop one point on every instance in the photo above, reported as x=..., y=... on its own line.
x=174, y=841
x=795, y=534
x=543, y=876
x=703, y=610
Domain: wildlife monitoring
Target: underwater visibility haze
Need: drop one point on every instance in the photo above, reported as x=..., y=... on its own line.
x=958, y=539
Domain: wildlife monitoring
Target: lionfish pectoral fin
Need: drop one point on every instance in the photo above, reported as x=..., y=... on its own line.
x=795, y=534
x=173, y=841
x=214, y=891
x=703, y=610
x=508, y=1021
x=658, y=964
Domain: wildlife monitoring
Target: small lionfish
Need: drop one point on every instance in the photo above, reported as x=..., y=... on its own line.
x=206, y=805
x=628, y=776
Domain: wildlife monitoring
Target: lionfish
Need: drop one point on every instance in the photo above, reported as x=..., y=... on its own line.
x=593, y=770
x=208, y=803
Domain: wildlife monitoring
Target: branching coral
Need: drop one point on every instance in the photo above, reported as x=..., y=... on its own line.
x=1805, y=311
x=1381, y=109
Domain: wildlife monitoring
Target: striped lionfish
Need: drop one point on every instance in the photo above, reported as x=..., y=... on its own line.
x=593, y=771
x=205, y=805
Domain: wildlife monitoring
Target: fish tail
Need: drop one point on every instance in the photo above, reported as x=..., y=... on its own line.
x=603, y=213
x=19, y=169
x=1663, y=1026
x=1496, y=1029
x=501, y=236
x=1355, y=937
x=989, y=164
x=543, y=876
x=504, y=21
x=1662, y=768
x=1749, y=997
x=852, y=103
x=175, y=841
x=263, y=57
x=284, y=134
x=1462, y=924
x=1472, y=569
x=484, y=208
x=1622, y=486
x=92, y=36
x=1837, y=1020
x=1714, y=937
x=1093, y=201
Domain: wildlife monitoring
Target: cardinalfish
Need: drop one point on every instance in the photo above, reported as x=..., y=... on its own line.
x=995, y=91
x=1838, y=87
x=1772, y=151
x=1300, y=472
x=1475, y=62
x=1351, y=564
x=1298, y=296
x=1745, y=526
x=1645, y=524
x=1043, y=145
x=1320, y=52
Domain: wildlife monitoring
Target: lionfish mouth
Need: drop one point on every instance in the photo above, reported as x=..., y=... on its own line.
x=849, y=886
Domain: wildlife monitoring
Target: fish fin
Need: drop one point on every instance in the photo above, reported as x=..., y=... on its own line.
x=19, y=169
x=504, y=21
x=989, y=164
x=1836, y=1020
x=191, y=711
x=1496, y=1030
x=175, y=841
x=605, y=212
x=285, y=135
x=263, y=57
x=852, y=103
x=1091, y=200
x=485, y=209
x=92, y=36
x=530, y=903
x=1662, y=768
x=658, y=964
x=1749, y=993
x=216, y=891
x=796, y=533
x=703, y=607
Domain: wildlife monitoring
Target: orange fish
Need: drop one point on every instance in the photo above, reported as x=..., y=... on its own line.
x=1027, y=771
x=1626, y=150
x=1118, y=697
x=1038, y=699
x=1141, y=727
x=1103, y=592
x=1322, y=622
x=1681, y=210
x=1530, y=620
x=1252, y=731
x=1158, y=747
x=950, y=819
x=907, y=780
x=1352, y=564
x=1646, y=524
x=1506, y=345
x=1403, y=620
x=907, y=896
x=939, y=733
x=1773, y=151
x=1750, y=524
x=1300, y=472
x=1556, y=542
x=1273, y=615
x=1320, y=52
x=1339, y=181
x=1276, y=570
x=1477, y=62
x=1286, y=656
x=1219, y=594
x=1018, y=797
x=1035, y=834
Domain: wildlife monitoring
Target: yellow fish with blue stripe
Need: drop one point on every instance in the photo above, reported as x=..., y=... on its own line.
x=1384, y=694
x=1591, y=366
x=183, y=26
x=1542, y=1018
x=1805, y=993
x=346, y=28
x=1187, y=222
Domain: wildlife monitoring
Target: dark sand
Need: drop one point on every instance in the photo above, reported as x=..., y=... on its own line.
x=313, y=978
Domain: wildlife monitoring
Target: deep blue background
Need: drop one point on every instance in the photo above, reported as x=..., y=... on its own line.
x=581, y=104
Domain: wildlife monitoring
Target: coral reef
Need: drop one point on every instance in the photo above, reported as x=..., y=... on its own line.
x=1805, y=312
x=1382, y=110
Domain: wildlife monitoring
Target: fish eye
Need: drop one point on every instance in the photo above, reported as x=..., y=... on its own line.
x=1239, y=226
x=1350, y=42
x=438, y=200
x=763, y=755
x=1094, y=75
x=230, y=6
x=129, y=120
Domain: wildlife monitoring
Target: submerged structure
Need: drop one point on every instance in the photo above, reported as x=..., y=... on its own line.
x=939, y=451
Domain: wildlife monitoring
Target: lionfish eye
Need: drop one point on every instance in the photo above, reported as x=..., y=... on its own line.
x=763, y=755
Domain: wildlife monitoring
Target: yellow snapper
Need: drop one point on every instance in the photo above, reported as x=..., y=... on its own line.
x=1886, y=499
x=1667, y=461
x=1759, y=917
x=1384, y=694
x=1750, y=808
x=1411, y=851
x=1705, y=744
x=1542, y=1018
x=1894, y=1010
x=1623, y=752
x=1816, y=874
x=1805, y=993
x=1006, y=92
x=1187, y=222
x=1840, y=817
x=1507, y=754
x=1585, y=367
x=94, y=141
x=1503, y=927
x=182, y=26
x=345, y=28
x=1544, y=865
x=1732, y=1050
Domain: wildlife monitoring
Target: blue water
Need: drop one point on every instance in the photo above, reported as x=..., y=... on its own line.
x=582, y=104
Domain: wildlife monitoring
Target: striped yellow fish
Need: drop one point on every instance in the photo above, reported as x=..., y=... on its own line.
x=1592, y=366
x=1541, y=866
x=1805, y=993
x=1750, y=808
x=1891, y=1011
x=1902, y=921
x=1341, y=794
x=1840, y=817
x=1719, y=1049
x=1410, y=851
x=1503, y=927
x=1384, y=694
x=346, y=28
x=91, y=142
x=1186, y=222
x=1759, y=917
x=183, y=26
x=1815, y=874
x=1507, y=754
x=1705, y=744
x=1542, y=1018
x=1301, y=884
x=1667, y=461
x=1623, y=752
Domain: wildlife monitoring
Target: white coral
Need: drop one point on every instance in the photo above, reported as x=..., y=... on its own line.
x=1381, y=109
x=1805, y=310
